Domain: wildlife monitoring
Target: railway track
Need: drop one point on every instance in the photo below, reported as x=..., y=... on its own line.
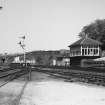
x=91, y=77
x=7, y=80
x=8, y=74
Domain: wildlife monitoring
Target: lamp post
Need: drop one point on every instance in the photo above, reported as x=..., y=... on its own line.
x=5, y=57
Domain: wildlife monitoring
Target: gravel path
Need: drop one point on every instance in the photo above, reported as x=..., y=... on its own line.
x=44, y=90
x=10, y=92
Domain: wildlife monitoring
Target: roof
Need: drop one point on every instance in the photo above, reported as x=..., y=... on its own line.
x=86, y=41
x=100, y=59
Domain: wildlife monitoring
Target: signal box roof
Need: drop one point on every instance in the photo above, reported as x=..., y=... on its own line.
x=86, y=41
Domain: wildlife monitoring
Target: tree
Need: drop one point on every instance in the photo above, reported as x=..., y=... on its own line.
x=95, y=30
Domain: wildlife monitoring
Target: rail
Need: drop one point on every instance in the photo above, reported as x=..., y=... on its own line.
x=90, y=77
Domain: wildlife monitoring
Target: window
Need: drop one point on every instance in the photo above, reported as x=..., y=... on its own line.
x=82, y=51
x=85, y=51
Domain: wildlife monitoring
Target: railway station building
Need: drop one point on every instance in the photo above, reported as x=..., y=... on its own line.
x=84, y=49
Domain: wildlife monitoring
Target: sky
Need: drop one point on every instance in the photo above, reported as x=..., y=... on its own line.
x=47, y=24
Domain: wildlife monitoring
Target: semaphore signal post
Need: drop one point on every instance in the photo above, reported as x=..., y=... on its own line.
x=23, y=46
